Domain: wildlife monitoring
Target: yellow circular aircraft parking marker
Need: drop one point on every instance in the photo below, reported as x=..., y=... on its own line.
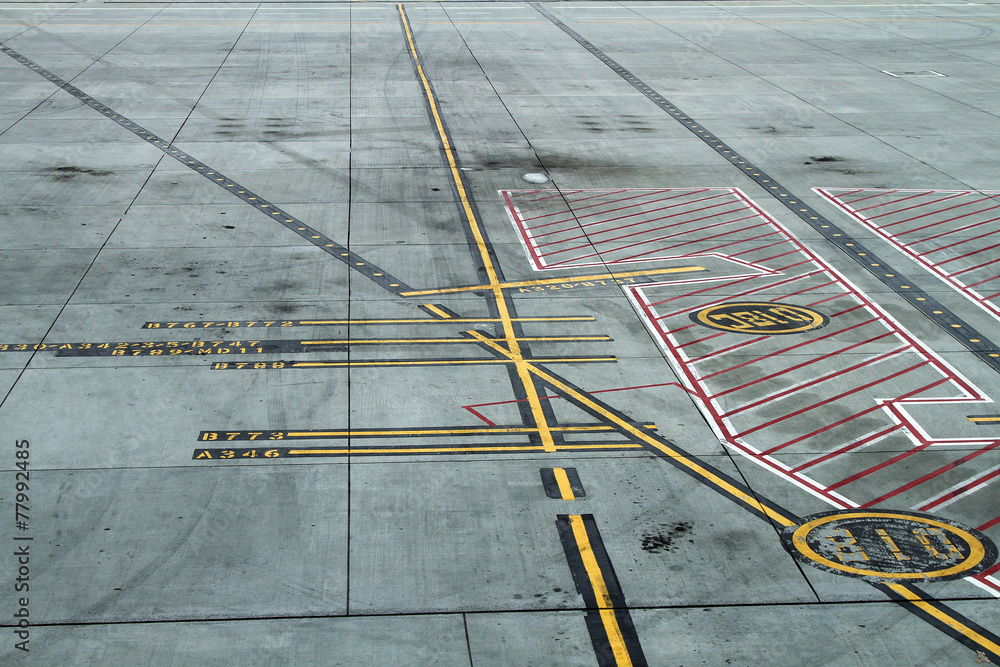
x=888, y=546
x=764, y=318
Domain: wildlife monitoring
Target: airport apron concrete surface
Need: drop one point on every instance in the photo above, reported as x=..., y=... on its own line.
x=500, y=333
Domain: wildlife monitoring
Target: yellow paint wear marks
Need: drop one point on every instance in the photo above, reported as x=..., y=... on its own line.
x=444, y=431
x=608, y=618
x=437, y=311
x=434, y=362
x=395, y=341
x=641, y=435
x=555, y=281
x=942, y=616
x=976, y=549
x=562, y=481
x=501, y=302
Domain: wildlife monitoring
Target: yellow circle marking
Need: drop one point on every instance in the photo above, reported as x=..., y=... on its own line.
x=976, y=554
x=773, y=309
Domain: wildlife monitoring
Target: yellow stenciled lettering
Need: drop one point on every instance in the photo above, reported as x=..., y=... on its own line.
x=892, y=545
x=847, y=545
x=737, y=324
x=943, y=548
x=790, y=313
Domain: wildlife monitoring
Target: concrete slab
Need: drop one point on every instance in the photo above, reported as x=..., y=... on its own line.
x=420, y=443
x=333, y=641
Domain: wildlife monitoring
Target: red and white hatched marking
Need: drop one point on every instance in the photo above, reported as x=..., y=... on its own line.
x=824, y=410
x=954, y=234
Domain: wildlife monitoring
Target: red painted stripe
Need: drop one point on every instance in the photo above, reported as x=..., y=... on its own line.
x=809, y=289
x=837, y=397
x=980, y=282
x=864, y=412
x=574, y=210
x=558, y=194
x=595, y=244
x=990, y=524
x=931, y=475
x=699, y=340
x=812, y=382
x=958, y=229
x=676, y=245
x=991, y=296
x=921, y=205
x=891, y=201
x=767, y=356
x=606, y=193
x=960, y=490
x=878, y=193
x=823, y=429
x=469, y=408
x=707, y=289
x=941, y=222
x=738, y=241
x=956, y=243
x=716, y=353
x=925, y=215
x=755, y=339
x=969, y=254
x=738, y=295
x=977, y=266
x=831, y=298
x=869, y=471
x=763, y=247
x=643, y=221
x=793, y=347
x=848, y=447
x=790, y=266
x=597, y=391
x=645, y=203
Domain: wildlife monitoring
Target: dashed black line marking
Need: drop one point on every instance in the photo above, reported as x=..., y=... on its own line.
x=279, y=215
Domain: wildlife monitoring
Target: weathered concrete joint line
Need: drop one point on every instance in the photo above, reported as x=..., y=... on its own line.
x=282, y=217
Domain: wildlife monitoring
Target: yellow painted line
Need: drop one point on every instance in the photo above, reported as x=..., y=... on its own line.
x=460, y=22
x=416, y=450
x=641, y=435
x=437, y=311
x=444, y=431
x=460, y=320
x=624, y=445
x=397, y=341
x=562, y=481
x=501, y=301
x=608, y=618
x=555, y=281
x=984, y=419
x=434, y=362
x=952, y=623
